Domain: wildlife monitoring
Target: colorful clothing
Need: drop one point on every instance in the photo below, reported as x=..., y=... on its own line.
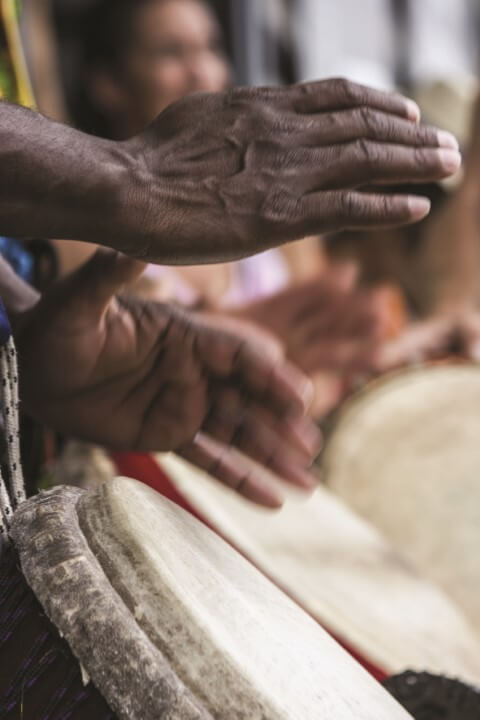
x=15, y=83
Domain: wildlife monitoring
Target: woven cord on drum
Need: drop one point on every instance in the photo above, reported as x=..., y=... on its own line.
x=13, y=492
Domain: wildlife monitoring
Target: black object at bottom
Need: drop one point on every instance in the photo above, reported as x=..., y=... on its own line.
x=431, y=697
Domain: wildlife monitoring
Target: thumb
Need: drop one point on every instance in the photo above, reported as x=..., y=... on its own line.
x=106, y=273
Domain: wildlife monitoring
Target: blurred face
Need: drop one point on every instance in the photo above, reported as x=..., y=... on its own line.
x=175, y=49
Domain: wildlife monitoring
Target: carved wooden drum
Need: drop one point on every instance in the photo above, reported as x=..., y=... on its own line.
x=344, y=573
x=405, y=454
x=168, y=621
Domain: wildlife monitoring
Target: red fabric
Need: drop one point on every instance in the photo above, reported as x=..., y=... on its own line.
x=147, y=470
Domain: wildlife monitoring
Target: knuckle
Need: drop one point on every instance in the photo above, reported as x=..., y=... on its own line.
x=370, y=122
x=365, y=152
x=419, y=158
x=307, y=89
x=280, y=206
x=349, y=205
x=347, y=90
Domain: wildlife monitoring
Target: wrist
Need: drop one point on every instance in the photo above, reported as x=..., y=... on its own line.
x=140, y=202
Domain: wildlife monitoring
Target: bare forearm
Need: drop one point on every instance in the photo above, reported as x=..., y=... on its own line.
x=221, y=176
x=57, y=182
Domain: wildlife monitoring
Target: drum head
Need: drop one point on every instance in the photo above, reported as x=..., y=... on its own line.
x=170, y=622
x=339, y=568
x=405, y=454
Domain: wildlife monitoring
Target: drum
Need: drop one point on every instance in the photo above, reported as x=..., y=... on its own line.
x=168, y=621
x=429, y=697
x=405, y=454
x=339, y=569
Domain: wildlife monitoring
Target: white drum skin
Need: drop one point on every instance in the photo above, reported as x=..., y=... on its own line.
x=405, y=455
x=344, y=573
x=224, y=641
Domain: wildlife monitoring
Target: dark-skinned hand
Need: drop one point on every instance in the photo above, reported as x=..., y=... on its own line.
x=250, y=169
x=221, y=176
x=138, y=375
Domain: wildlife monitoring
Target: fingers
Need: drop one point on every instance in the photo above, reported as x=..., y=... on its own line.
x=105, y=274
x=351, y=210
x=275, y=443
x=339, y=94
x=366, y=163
x=422, y=341
x=469, y=335
x=229, y=467
x=263, y=375
x=369, y=124
x=341, y=355
x=238, y=472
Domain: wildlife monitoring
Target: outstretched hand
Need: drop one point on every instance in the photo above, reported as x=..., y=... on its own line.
x=326, y=323
x=221, y=176
x=139, y=375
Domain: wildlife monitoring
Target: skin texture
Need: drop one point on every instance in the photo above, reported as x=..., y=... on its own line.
x=221, y=176
x=173, y=48
x=138, y=375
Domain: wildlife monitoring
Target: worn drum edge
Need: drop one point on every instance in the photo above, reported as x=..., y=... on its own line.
x=130, y=672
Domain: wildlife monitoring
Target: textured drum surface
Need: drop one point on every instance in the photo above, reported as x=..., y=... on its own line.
x=405, y=454
x=344, y=573
x=190, y=627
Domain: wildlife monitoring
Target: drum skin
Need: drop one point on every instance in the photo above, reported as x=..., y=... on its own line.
x=171, y=623
x=343, y=572
x=405, y=454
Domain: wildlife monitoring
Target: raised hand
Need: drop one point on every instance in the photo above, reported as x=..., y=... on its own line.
x=326, y=323
x=221, y=176
x=140, y=375
x=248, y=169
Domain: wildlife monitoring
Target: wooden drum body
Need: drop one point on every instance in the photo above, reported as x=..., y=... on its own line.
x=169, y=621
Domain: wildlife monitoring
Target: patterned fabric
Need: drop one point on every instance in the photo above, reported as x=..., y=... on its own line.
x=41, y=679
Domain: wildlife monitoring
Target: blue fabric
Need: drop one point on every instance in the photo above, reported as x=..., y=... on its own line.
x=5, y=329
x=18, y=257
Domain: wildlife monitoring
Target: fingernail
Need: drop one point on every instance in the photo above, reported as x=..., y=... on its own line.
x=450, y=160
x=419, y=206
x=413, y=111
x=447, y=140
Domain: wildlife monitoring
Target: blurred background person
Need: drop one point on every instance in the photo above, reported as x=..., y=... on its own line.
x=125, y=61
x=430, y=50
